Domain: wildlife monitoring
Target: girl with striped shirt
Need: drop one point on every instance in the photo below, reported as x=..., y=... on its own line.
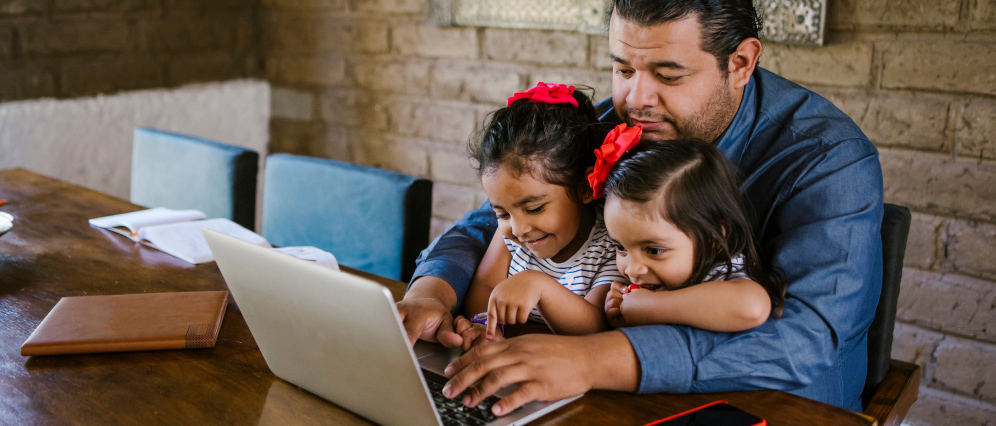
x=551, y=259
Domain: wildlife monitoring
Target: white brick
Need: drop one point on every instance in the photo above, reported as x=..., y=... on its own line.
x=967, y=367
x=913, y=344
x=389, y=6
x=313, y=71
x=333, y=142
x=405, y=156
x=949, y=65
x=476, y=82
x=439, y=121
x=452, y=201
x=352, y=108
x=983, y=15
x=971, y=247
x=901, y=119
x=932, y=14
x=539, y=47
x=410, y=77
x=451, y=166
x=425, y=40
x=923, y=244
x=600, y=52
x=292, y=104
x=936, y=407
x=948, y=302
x=977, y=129
x=936, y=183
x=839, y=63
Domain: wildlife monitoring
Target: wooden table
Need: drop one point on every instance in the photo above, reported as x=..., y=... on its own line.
x=52, y=252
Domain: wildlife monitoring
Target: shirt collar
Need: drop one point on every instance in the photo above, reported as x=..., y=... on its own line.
x=733, y=142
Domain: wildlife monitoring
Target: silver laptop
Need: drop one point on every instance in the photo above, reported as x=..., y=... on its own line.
x=339, y=336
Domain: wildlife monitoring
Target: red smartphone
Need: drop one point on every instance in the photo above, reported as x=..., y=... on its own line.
x=717, y=413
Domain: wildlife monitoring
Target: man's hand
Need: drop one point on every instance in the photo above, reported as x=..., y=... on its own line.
x=426, y=316
x=546, y=367
x=513, y=299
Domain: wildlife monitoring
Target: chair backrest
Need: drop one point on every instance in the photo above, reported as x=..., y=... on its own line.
x=185, y=172
x=895, y=230
x=371, y=219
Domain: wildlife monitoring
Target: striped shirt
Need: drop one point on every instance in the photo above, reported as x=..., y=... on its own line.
x=593, y=265
x=719, y=272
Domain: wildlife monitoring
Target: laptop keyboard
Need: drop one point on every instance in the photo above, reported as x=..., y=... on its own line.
x=453, y=412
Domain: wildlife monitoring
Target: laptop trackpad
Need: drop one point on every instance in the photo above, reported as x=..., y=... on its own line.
x=435, y=357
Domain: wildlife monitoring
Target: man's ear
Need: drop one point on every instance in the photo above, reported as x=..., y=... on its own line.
x=743, y=61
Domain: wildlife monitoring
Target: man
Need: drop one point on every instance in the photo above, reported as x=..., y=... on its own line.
x=688, y=69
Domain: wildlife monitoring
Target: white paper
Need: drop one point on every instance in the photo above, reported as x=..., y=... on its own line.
x=313, y=254
x=186, y=240
x=134, y=221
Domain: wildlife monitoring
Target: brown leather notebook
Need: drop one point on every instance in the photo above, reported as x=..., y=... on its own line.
x=129, y=322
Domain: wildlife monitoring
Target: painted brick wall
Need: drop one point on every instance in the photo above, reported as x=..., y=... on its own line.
x=70, y=48
x=370, y=81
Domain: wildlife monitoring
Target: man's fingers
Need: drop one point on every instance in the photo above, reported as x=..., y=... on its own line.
x=473, y=365
x=445, y=334
x=493, y=381
x=527, y=392
x=412, y=330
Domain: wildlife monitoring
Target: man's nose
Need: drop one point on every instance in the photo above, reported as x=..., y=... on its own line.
x=642, y=94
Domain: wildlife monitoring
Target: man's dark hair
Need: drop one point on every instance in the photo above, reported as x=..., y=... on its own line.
x=725, y=23
x=559, y=138
x=690, y=184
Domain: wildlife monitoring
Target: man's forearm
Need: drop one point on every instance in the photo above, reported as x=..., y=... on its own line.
x=428, y=287
x=454, y=256
x=614, y=365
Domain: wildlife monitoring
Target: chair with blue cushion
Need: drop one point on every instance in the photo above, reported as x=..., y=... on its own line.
x=186, y=172
x=371, y=219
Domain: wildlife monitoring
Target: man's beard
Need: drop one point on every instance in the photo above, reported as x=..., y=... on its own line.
x=706, y=124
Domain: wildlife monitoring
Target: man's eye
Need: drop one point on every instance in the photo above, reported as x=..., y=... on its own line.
x=624, y=73
x=667, y=79
x=536, y=210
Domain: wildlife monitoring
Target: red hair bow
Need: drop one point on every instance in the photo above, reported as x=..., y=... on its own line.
x=617, y=142
x=549, y=93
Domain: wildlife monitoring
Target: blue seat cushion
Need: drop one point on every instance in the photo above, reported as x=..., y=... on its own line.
x=371, y=219
x=185, y=172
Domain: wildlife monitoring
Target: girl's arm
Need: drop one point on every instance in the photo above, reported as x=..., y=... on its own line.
x=726, y=306
x=492, y=270
x=566, y=313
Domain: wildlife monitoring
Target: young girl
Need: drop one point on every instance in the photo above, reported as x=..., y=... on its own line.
x=551, y=259
x=675, y=213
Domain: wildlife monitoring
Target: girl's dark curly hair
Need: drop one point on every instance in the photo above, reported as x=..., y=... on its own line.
x=553, y=142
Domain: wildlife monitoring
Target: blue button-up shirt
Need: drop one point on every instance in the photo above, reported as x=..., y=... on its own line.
x=814, y=184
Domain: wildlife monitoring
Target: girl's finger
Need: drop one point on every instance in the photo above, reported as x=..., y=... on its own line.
x=492, y=323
